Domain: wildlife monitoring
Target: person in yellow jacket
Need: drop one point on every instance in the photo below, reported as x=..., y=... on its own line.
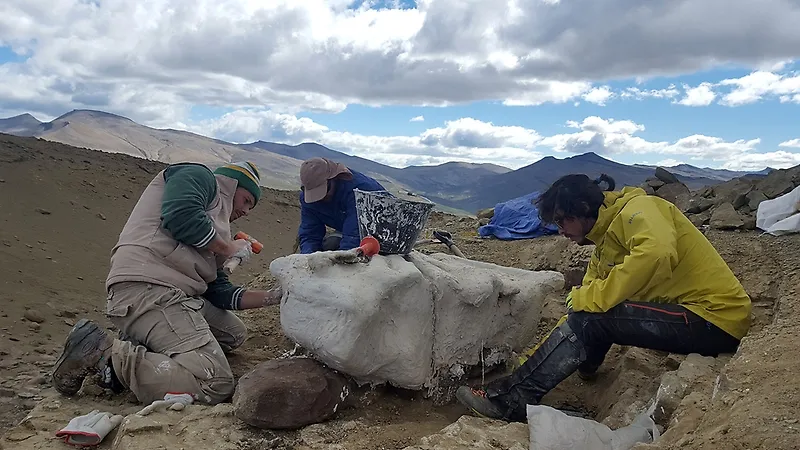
x=654, y=281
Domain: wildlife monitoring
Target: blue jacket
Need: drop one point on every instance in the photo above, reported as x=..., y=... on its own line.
x=339, y=213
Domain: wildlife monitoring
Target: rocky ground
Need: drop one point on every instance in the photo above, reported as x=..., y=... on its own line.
x=62, y=209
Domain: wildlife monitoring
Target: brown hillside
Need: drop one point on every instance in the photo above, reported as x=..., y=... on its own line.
x=62, y=209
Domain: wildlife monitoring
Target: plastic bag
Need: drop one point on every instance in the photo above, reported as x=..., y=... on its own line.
x=551, y=429
x=780, y=216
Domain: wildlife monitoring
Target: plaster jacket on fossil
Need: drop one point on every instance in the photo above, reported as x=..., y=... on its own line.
x=410, y=321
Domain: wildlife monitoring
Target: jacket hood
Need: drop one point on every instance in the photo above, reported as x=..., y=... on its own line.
x=612, y=205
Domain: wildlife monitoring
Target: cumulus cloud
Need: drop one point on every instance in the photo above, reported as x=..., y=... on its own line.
x=792, y=143
x=323, y=55
x=615, y=137
x=641, y=94
x=759, y=85
x=472, y=140
x=758, y=161
x=701, y=95
x=598, y=95
x=417, y=119
x=465, y=139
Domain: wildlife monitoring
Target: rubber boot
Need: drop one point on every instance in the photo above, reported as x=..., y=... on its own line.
x=556, y=358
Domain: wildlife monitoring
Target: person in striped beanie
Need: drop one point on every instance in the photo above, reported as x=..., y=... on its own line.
x=246, y=173
x=167, y=292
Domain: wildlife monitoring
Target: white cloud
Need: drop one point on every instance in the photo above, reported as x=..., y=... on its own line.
x=793, y=143
x=640, y=94
x=701, y=95
x=319, y=55
x=614, y=137
x=759, y=161
x=598, y=95
x=668, y=163
x=758, y=85
x=417, y=119
x=465, y=139
x=472, y=140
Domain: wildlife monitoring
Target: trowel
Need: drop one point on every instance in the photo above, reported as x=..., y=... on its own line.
x=447, y=239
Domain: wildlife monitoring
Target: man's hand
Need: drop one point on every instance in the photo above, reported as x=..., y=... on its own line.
x=273, y=296
x=243, y=249
x=228, y=249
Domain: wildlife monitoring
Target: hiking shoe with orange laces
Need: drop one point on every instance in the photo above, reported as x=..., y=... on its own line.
x=476, y=401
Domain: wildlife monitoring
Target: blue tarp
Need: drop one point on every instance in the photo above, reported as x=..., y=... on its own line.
x=517, y=219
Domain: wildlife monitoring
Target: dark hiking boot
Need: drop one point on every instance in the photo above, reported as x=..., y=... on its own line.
x=556, y=358
x=478, y=404
x=587, y=375
x=87, y=350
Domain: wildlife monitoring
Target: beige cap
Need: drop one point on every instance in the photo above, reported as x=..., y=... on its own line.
x=314, y=176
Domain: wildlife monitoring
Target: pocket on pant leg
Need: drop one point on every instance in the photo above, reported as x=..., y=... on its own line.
x=190, y=330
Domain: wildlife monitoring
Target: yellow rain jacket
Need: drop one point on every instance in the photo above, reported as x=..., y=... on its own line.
x=648, y=251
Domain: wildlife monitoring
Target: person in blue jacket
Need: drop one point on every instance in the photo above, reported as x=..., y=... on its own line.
x=327, y=199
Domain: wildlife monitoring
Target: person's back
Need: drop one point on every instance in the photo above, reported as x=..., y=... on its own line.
x=328, y=200
x=691, y=273
x=654, y=281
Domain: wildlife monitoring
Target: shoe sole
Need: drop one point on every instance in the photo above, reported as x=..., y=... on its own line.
x=466, y=400
x=82, y=329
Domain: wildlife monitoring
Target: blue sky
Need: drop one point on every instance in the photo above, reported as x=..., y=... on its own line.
x=484, y=81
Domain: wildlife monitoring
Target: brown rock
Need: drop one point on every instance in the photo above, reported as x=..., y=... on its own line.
x=749, y=223
x=43, y=211
x=288, y=393
x=698, y=205
x=487, y=213
x=574, y=276
x=666, y=176
x=754, y=198
x=654, y=183
x=731, y=190
x=33, y=316
x=725, y=217
x=675, y=193
x=701, y=219
x=776, y=184
x=484, y=221
x=648, y=189
x=740, y=200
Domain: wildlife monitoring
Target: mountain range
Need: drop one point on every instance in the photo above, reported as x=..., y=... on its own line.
x=454, y=186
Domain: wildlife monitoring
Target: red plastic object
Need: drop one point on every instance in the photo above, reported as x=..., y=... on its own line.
x=369, y=246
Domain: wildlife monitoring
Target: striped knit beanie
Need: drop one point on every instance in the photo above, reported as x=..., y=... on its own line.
x=246, y=173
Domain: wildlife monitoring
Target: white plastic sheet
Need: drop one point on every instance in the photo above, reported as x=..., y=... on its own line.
x=551, y=429
x=780, y=216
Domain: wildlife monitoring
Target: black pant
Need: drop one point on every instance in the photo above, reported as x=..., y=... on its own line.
x=666, y=327
x=583, y=341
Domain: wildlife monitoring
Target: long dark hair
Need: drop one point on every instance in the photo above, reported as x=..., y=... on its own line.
x=573, y=196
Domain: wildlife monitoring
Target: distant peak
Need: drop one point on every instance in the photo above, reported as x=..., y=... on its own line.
x=92, y=113
x=589, y=156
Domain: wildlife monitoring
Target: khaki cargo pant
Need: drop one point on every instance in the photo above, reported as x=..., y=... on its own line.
x=173, y=343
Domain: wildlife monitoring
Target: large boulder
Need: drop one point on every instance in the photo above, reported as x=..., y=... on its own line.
x=725, y=217
x=416, y=321
x=288, y=393
x=666, y=176
x=675, y=193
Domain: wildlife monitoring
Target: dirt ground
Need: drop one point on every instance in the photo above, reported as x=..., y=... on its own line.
x=62, y=209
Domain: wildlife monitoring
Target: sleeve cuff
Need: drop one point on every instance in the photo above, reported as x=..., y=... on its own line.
x=236, y=299
x=212, y=233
